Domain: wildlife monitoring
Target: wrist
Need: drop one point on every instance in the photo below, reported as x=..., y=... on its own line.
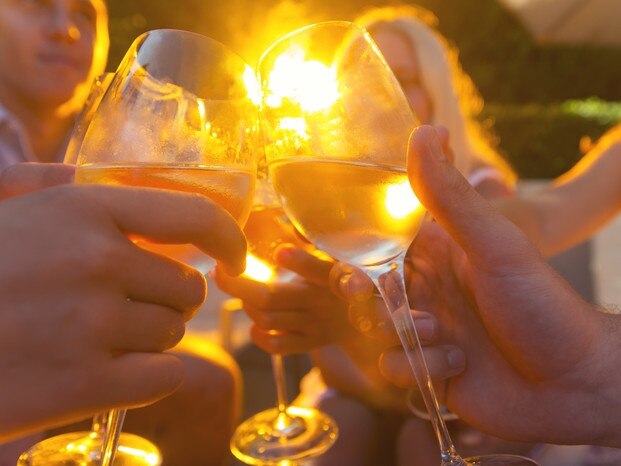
x=604, y=402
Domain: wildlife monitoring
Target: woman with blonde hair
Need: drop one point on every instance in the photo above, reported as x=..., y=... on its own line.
x=440, y=93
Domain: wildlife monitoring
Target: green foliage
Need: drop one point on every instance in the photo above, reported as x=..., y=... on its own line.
x=543, y=141
x=509, y=66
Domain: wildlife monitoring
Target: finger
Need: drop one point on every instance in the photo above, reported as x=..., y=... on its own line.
x=375, y=322
x=283, y=342
x=308, y=266
x=350, y=283
x=135, y=379
x=467, y=217
x=23, y=178
x=151, y=278
x=289, y=320
x=442, y=361
x=445, y=140
x=175, y=217
x=268, y=296
x=141, y=275
x=146, y=328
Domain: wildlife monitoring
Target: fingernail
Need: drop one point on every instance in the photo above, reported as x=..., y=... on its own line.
x=435, y=147
x=282, y=253
x=425, y=328
x=357, y=289
x=344, y=284
x=456, y=359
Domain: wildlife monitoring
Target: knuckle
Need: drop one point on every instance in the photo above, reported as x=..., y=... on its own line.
x=175, y=331
x=196, y=285
x=264, y=298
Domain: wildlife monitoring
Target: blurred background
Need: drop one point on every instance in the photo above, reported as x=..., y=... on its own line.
x=549, y=70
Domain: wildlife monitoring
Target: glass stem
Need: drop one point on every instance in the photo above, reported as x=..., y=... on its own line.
x=98, y=428
x=114, y=424
x=389, y=280
x=278, y=369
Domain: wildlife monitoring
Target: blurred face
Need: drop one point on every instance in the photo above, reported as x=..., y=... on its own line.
x=402, y=59
x=51, y=49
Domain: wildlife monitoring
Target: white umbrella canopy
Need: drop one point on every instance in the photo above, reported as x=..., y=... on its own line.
x=571, y=21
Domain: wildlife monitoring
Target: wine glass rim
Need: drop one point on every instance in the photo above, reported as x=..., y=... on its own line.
x=182, y=32
x=345, y=24
x=338, y=23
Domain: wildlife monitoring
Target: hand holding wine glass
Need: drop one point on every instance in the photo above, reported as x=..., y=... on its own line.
x=343, y=119
x=285, y=433
x=78, y=271
x=180, y=114
x=522, y=345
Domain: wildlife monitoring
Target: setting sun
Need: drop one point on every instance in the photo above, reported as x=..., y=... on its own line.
x=310, y=83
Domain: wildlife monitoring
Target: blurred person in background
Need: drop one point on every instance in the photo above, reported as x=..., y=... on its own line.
x=50, y=52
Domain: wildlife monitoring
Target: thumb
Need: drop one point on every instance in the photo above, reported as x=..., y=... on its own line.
x=479, y=229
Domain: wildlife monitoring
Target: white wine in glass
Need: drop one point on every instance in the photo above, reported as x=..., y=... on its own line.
x=180, y=113
x=337, y=125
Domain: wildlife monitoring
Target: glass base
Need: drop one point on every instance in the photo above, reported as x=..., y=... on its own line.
x=497, y=460
x=269, y=438
x=84, y=449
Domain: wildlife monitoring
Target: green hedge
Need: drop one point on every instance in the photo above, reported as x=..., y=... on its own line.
x=542, y=141
x=510, y=66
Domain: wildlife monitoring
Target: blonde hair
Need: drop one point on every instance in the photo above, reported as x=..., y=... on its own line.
x=455, y=100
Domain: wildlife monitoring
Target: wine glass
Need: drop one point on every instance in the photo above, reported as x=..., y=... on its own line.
x=180, y=113
x=285, y=432
x=337, y=126
x=99, y=87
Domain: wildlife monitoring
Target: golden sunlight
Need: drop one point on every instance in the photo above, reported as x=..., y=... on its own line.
x=252, y=86
x=258, y=270
x=400, y=200
x=297, y=125
x=310, y=83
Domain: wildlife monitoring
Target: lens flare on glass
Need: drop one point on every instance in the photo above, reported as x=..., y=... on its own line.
x=258, y=270
x=252, y=86
x=400, y=200
x=310, y=83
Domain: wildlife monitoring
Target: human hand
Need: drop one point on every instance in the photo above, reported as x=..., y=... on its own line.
x=294, y=316
x=537, y=354
x=85, y=313
x=23, y=178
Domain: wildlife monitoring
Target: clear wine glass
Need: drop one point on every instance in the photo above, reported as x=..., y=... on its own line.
x=180, y=113
x=337, y=126
x=99, y=87
x=286, y=432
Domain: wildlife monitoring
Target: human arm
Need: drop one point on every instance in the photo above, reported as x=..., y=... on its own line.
x=84, y=312
x=574, y=206
x=541, y=362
